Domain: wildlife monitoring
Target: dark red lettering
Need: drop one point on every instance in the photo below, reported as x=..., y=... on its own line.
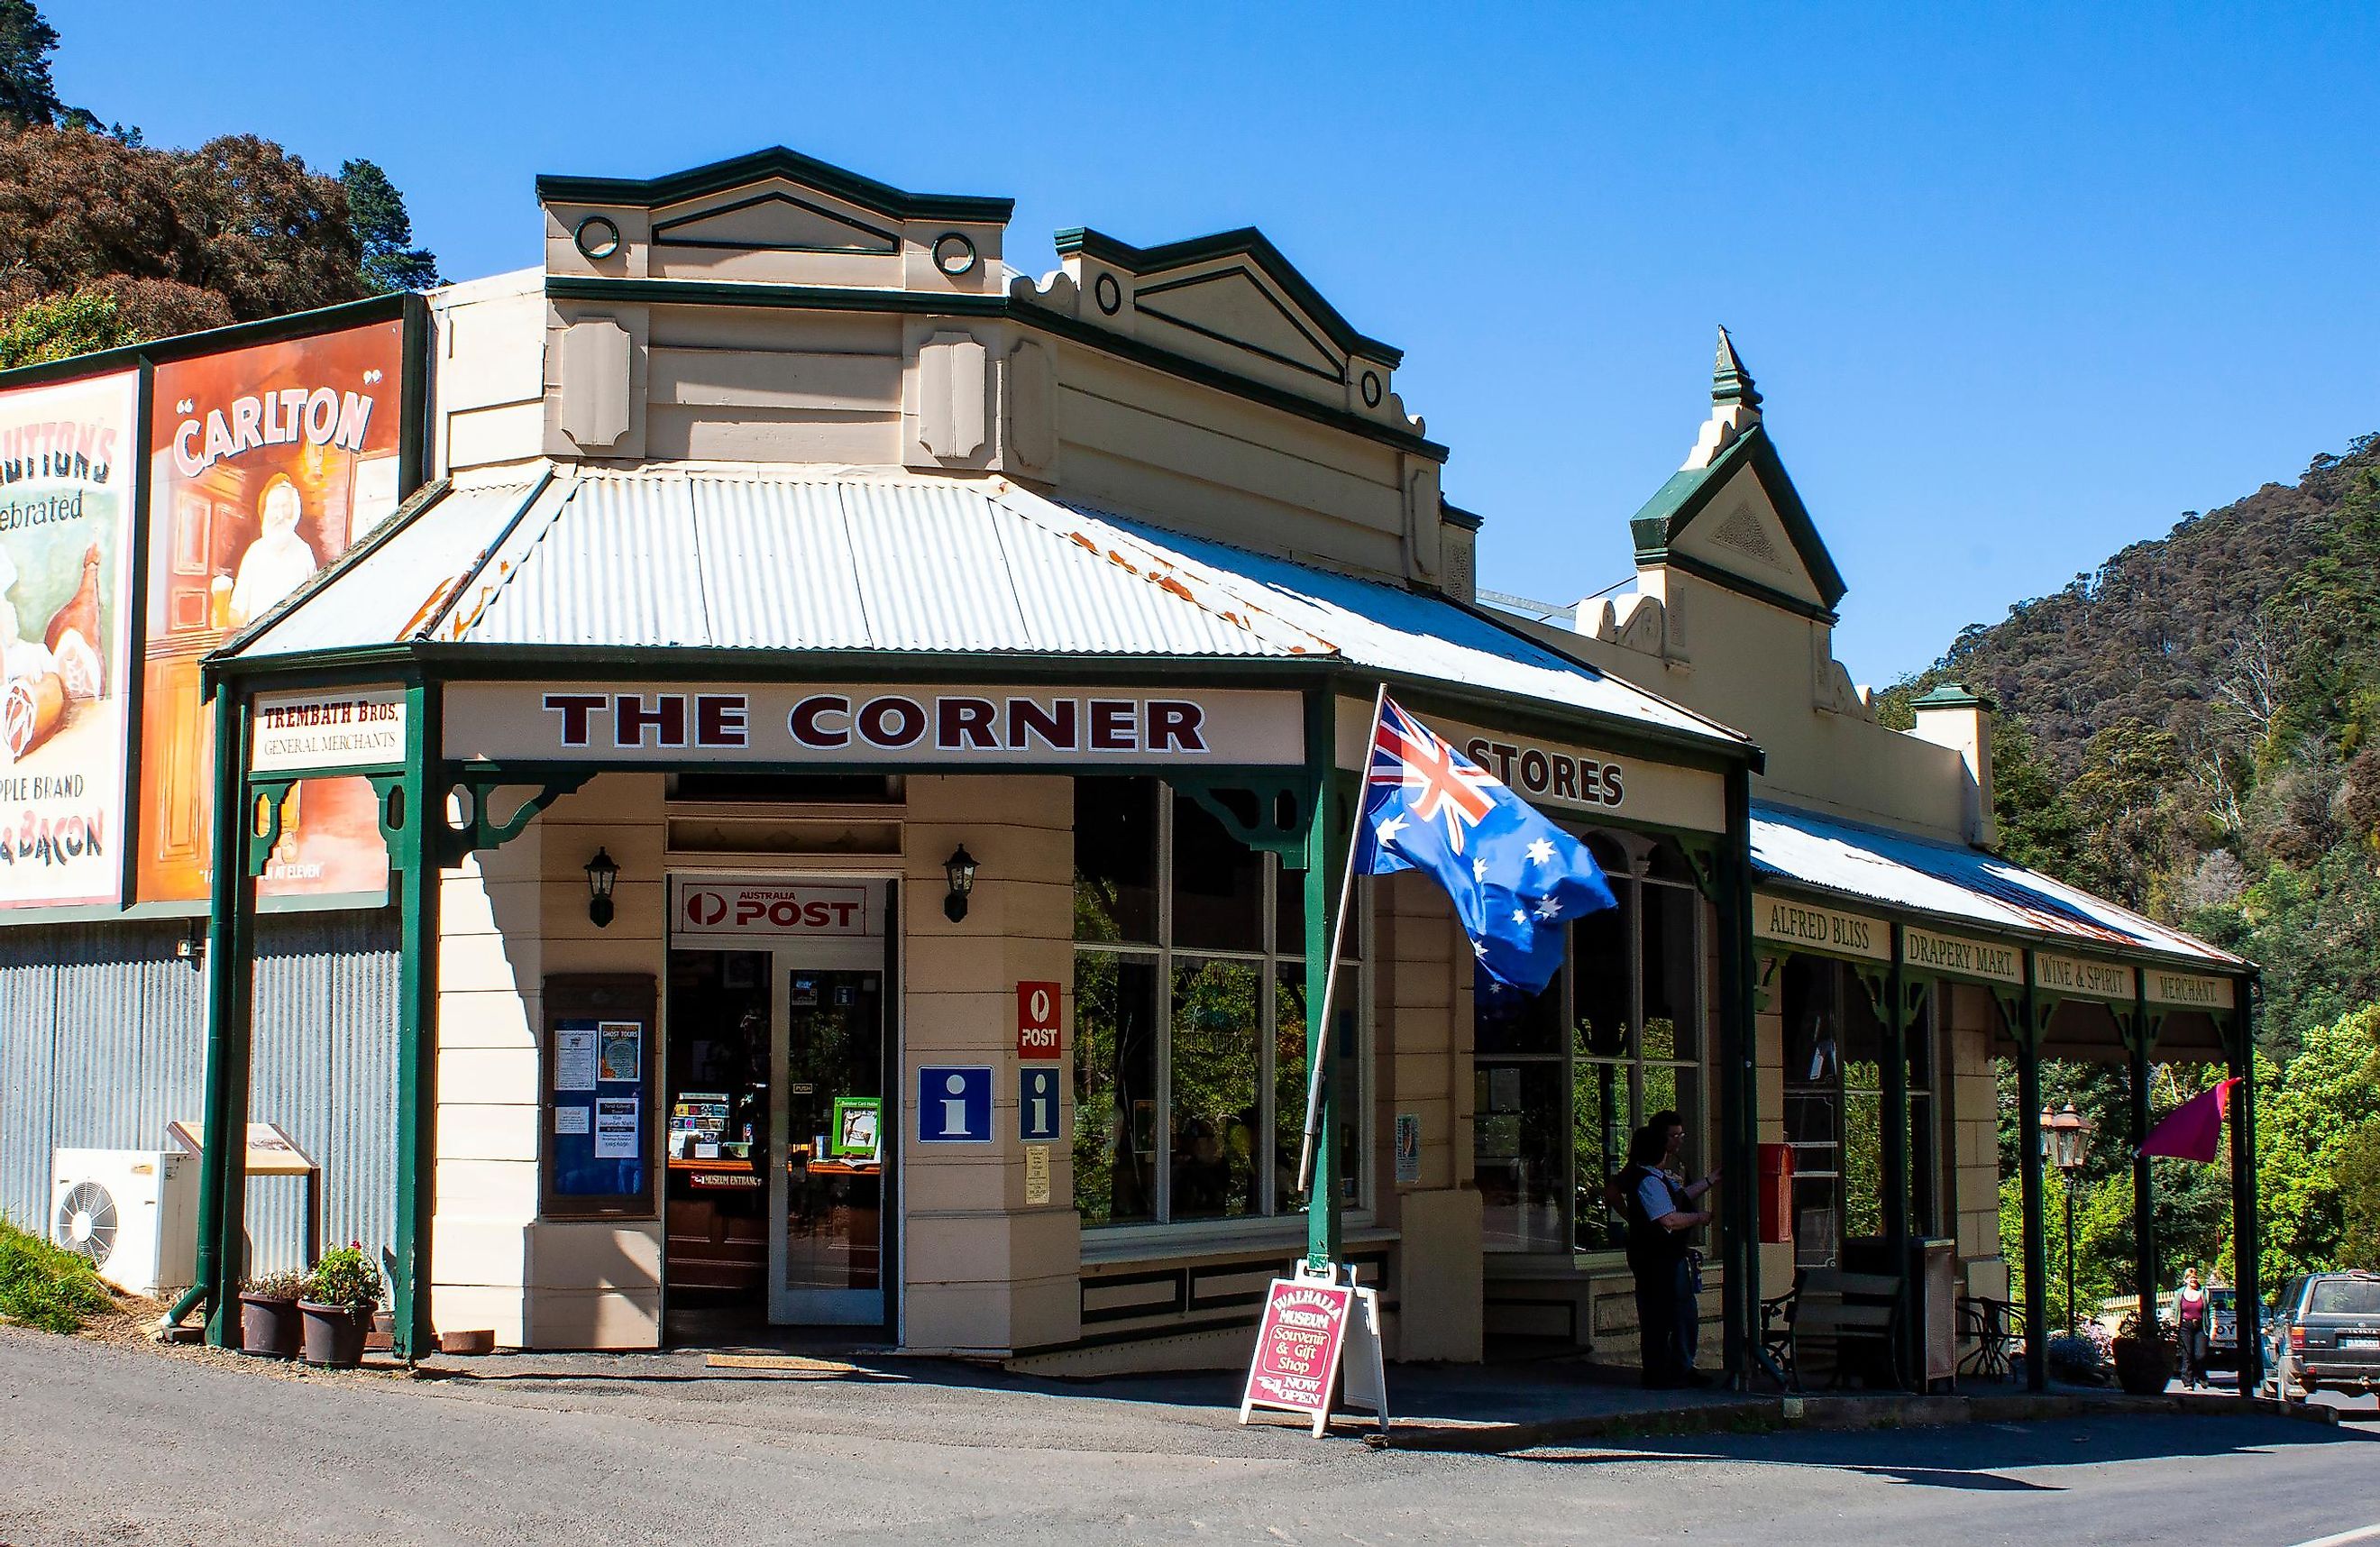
x=575, y=709
x=814, y=915
x=1175, y=724
x=1112, y=725
x=630, y=718
x=804, y=721
x=1566, y=777
x=718, y=720
x=842, y=912
x=966, y=722
x=1612, y=791
x=891, y=722
x=1054, y=725
x=1504, y=755
x=1533, y=772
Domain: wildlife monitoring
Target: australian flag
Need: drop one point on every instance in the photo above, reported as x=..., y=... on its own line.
x=1516, y=878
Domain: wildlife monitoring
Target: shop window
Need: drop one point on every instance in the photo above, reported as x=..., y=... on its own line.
x=1190, y=1028
x=1835, y=1048
x=1561, y=1080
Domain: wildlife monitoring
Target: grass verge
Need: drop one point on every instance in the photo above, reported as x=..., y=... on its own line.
x=43, y=1287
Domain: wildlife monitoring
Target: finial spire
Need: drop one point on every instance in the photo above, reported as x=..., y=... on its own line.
x=1736, y=405
x=1731, y=382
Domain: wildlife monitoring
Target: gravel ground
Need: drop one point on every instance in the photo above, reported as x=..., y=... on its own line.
x=121, y=1442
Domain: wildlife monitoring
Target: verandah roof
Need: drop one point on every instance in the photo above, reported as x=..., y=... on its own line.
x=756, y=558
x=1956, y=884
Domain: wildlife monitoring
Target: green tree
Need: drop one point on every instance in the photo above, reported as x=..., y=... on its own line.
x=57, y=326
x=376, y=214
x=2316, y=1127
x=27, y=93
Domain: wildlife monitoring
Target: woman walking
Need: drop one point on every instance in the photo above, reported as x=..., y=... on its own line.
x=2192, y=1312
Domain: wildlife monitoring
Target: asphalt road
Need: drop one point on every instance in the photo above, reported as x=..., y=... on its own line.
x=124, y=1445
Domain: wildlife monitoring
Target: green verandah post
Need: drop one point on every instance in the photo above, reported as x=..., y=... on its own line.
x=2247, y=1290
x=231, y=963
x=2028, y=1171
x=2139, y=1038
x=414, y=831
x=1323, y=1239
x=1738, y=1090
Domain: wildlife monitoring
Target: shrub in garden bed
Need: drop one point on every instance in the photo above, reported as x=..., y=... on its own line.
x=44, y=1286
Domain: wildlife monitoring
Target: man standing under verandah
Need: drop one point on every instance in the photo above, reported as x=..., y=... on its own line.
x=1659, y=1215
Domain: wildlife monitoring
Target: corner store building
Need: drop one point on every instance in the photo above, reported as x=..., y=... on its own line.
x=783, y=538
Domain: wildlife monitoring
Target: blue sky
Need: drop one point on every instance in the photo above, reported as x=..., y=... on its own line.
x=2021, y=284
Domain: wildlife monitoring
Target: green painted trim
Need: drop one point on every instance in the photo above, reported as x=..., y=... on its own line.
x=1245, y=241
x=776, y=161
x=223, y=1185
x=810, y=297
x=1741, y=990
x=1325, y=1226
x=417, y=873
x=1785, y=600
x=2032, y=1186
x=1952, y=695
x=238, y=336
x=1455, y=516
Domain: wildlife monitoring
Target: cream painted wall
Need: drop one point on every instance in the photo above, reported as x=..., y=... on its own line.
x=509, y=917
x=982, y=1271
x=487, y=380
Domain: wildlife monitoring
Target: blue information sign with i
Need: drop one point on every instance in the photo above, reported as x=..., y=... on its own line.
x=1036, y=1103
x=953, y=1105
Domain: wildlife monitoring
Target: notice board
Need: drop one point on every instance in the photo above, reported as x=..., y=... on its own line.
x=598, y=1135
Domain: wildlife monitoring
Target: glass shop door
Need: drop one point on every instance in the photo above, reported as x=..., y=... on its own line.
x=828, y=1223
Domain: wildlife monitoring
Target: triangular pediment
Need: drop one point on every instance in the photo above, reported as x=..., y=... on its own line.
x=1232, y=306
x=1741, y=532
x=773, y=220
x=1740, y=522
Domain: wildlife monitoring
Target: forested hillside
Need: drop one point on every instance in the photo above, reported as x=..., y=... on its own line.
x=2194, y=729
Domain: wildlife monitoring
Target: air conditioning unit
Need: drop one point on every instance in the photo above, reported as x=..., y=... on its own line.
x=134, y=1213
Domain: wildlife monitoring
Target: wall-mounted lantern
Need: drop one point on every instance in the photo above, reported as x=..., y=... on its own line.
x=602, y=873
x=960, y=869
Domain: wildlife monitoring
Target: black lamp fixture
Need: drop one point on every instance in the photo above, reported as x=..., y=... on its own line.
x=960, y=869
x=601, y=871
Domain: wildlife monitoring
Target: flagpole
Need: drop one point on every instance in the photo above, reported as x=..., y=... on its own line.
x=1320, y=1045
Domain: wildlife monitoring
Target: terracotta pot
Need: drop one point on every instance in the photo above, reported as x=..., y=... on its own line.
x=2142, y=1365
x=269, y=1326
x=334, y=1334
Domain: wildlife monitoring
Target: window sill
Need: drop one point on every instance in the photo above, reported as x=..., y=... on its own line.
x=1105, y=1244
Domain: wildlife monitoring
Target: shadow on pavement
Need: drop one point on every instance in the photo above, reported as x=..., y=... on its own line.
x=1981, y=1456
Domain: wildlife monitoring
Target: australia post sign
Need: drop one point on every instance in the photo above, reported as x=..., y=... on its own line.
x=770, y=908
x=869, y=724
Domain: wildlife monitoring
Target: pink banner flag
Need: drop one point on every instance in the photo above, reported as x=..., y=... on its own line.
x=2193, y=1131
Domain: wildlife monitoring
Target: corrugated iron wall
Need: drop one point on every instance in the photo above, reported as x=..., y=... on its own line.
x=103, y=1042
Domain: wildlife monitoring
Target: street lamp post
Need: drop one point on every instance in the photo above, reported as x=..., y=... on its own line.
x=2065, y=1140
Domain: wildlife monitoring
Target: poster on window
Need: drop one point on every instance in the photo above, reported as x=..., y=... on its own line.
x=66, y=590
x=266, y=465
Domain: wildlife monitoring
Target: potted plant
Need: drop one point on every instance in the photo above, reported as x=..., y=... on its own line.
x=341, y=1295
x=269, y=1323
x=2144, y=1358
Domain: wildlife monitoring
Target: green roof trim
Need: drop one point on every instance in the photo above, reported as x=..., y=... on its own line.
x=1455, y=516
x=774, y=161
x=1244, y=242
x=1673, y=507
x=1954, y=695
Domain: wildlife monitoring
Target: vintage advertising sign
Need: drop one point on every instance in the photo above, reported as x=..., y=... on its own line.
x=783, y=723
x=2074, y=975
x=1037, y=1021
x=265, y=465
x=1571, y=779
x=356, y=729
x=770, y=908
x=2189, y=989
x=1815, y=927
x=66, y=604
x=1962, y=955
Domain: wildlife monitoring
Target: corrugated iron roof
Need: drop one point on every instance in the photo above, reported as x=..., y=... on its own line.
x=754, y=558
x=1952, y=882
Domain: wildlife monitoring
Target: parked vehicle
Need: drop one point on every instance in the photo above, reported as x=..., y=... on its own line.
x=2222, y=1336
x=2325, y=1335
